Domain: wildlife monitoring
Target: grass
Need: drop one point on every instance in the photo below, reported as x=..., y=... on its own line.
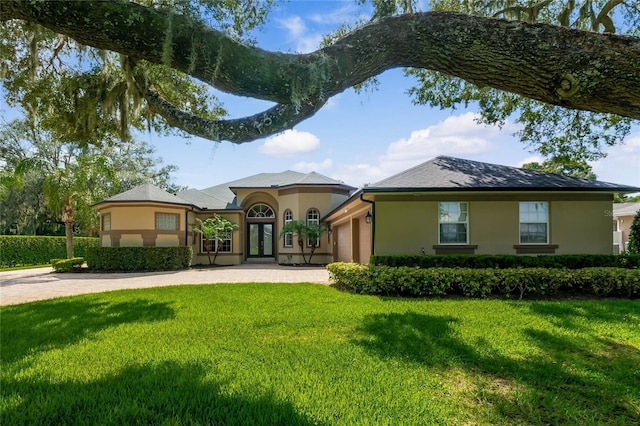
x=21, y=267
x=301, y=354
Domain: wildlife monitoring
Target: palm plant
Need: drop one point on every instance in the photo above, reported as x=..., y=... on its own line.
x=303, y=231
x=214, y=230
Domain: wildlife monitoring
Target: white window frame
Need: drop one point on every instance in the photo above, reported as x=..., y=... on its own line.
x=226, y=248
x=313, y=217
x=260, y=211
x=161, y=221
x=533, y=221
x=288, y=237
x=454, y=222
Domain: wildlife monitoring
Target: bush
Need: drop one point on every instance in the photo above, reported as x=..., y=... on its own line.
x=67, y=265
x=139, y=258
x=568, y=261
x=412, y=281
x=38, y=250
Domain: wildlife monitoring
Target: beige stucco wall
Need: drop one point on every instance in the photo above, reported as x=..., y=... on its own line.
x=624, y=226
x=167, y=241
x=131, y=240
x=140, y=217
x=575, y=226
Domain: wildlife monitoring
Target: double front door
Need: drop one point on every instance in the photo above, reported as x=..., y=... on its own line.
x=261, y=240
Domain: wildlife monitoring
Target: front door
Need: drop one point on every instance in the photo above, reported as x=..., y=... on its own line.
x=260, y=239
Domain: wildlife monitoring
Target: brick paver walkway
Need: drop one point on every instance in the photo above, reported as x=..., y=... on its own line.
x=40, y=284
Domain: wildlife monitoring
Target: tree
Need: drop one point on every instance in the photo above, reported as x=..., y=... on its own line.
x=563, y=67
x=214, y=230
x=302, y=231
x=563, y=166
x=634, y=236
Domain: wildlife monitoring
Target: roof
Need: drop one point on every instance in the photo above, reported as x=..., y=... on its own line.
x=147, y=193
x=625, y=209
x=453, y=174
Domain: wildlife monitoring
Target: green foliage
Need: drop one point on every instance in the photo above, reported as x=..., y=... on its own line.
x=139, y=258
x=30, y=250
x=531, y=282
x=634, y=236
x=67, y=265
x=563, y=166
x=304, y=234
x=569, y=261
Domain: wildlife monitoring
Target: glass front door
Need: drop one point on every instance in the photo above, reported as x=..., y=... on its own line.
x=260, y=239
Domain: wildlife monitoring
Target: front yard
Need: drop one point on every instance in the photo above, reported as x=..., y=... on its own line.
x=308, y=354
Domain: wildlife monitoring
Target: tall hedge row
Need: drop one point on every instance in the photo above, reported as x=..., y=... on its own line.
x=568, y=261
x=411, y=281
x=139, y=258
x=39, y=250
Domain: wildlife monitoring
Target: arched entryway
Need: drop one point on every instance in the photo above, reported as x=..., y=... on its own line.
x=261, y=238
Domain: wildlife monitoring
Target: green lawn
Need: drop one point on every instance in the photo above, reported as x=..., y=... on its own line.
x=307, y=354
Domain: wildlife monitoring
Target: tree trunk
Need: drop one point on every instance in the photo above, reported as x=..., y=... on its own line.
x=301, y=244
x=68, y=232
x=68, y=218
x=571, y=68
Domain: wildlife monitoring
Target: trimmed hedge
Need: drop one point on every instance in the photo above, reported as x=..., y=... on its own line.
x=139, y=258
x=67, y=265
x=38, y=250
x=569, y=261
x=411, y=281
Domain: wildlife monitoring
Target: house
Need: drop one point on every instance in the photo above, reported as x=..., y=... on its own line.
x=443, y=206
x=623, y=214
x=454, y=206
x=260, y=204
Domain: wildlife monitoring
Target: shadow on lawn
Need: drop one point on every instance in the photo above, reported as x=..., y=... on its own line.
x=583, y=379
x=32, y=328
x=164, y=393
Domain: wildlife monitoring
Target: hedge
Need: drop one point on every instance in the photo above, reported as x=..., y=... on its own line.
x=568, y=261
x=67, y=265
x=139, y=258
x=39, y=250
x=412, y=281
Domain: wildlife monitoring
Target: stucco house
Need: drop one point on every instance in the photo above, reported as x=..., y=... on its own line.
x=623, y=214
x=443, y=206
x=454, y=206
x=260, y=204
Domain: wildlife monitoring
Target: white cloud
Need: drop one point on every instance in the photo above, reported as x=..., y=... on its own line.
x=622, y=164
x=294, y=25
x=290, y=142
x=298, y=32
x=456, y=136
x=532, y=159
x=304, y=166
x=338, y=16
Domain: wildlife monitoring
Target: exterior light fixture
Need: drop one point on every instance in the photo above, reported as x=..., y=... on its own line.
x=368, y=217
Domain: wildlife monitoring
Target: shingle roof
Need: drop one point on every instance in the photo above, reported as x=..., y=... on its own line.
x=149, y=193
x=626, y=209
x=451, y=174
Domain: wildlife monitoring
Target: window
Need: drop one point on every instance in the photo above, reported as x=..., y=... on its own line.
x=288, y=237
x=224, y=246
x=313, y=218
x=260, y=211
x=106, y=222
x=534, y=222
x=453, y=223
x=166, y=222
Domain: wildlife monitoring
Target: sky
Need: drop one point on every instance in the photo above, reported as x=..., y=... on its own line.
x=358, y=138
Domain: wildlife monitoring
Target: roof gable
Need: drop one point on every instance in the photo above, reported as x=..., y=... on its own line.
x=147, y=193
x=449, y=173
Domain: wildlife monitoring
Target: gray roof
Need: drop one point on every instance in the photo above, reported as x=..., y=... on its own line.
x=223, y=197
x=147, y=193
x=625, y=209
x=455, y=174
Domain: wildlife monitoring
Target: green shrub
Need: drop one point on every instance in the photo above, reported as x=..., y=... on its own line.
x=67, y=265
x=568, y=261
x=534, y=282
x=139, y=258
x=38, y=250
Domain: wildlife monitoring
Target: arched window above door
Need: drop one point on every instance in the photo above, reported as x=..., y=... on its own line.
x=260, y=211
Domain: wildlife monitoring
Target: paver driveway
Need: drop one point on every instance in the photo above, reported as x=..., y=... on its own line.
x=40, y=284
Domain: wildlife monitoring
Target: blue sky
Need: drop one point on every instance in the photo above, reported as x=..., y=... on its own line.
x=358, y=138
